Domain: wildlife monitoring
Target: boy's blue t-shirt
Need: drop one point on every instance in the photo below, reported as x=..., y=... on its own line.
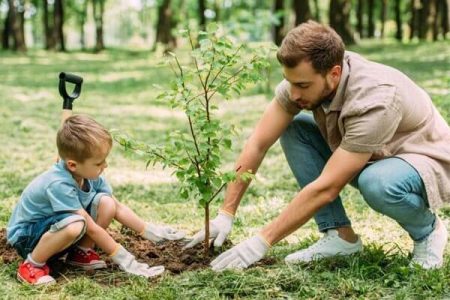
x=52, y=192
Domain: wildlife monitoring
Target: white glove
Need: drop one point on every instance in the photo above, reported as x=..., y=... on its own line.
x=219, y=229
x=242, y=255
x=128, y=263
x=157, y=233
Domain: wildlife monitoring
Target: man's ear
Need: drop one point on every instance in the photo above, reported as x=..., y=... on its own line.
x=71, y=165
x=334, y=75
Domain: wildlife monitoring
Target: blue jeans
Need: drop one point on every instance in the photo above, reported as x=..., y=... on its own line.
x=390, y=186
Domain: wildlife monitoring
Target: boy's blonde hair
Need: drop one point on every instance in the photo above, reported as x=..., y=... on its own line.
x=81, y=137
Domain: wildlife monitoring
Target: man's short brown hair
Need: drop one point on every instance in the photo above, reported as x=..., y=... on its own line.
x=313, y=42
x=80, y=137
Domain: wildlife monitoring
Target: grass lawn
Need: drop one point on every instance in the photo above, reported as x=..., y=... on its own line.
x=118, y=91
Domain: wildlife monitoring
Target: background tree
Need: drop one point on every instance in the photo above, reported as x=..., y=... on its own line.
x=383, y=12
x=16, y=21
x=370, y=18
x=398, y=20
x=278, y=27
x=98, y=9
x=360, y=18
x=201, y=14
x=302, y=11
x=339, y=15
x=59, y=23
x=164, y=26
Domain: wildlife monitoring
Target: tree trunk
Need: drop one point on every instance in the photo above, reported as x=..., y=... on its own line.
x=49, y=40
x=201, y=14
x=423, y=19
x=59, y=23
x=383, y=12
x=398, y=20
x=7, y=30
x=98, y=7
x=433, y=19
x=277, y=29
x=302, y=11
x=445, y=20
x=206, y=241
x=339, y=15
x=360, y=18
x=414, y=18
x=164, y=26
x=370, y=19
x=83, y=16
x=16, y=27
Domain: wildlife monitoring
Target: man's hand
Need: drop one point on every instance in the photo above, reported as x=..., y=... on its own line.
x=242, y=255
x=219, y=228
x=158, y=233
x=128, y=263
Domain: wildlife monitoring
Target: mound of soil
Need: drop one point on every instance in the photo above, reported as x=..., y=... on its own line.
x=169, y=254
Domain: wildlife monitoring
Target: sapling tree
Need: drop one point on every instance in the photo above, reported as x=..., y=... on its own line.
x=217, y=68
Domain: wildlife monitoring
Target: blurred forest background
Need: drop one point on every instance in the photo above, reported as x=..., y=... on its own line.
x=93, y=25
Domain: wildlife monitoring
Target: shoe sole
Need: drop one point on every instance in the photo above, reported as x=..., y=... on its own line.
x=86, y=267
x=23, y=280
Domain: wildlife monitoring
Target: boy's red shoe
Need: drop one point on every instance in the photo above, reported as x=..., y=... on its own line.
x=87, y=260
x=34, y=275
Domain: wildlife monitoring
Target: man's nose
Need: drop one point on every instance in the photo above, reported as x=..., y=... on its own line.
x=295, y=93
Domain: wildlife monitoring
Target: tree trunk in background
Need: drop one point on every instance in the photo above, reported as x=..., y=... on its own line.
x=370, y=19
x=423, y=25
x=398, y=20
x=360, y=18
x=201, y=14
x=433, y=19
x=217, y=10
x=16, y=27
x=49, y=39
x=316, y=11
x=383, y=12
x=339, y=14
x=302, y=11
x=7, y=30
x=59, y=23
x=164, y=27
x=98, y=8
x=414, y=18
x=445, y=20
x=277, y=30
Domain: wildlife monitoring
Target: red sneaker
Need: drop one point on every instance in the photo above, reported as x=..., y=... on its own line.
x=87, y=260
x=34, y=275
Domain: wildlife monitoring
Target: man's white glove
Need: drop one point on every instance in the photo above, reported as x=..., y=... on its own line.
x=157, y=233
x=242, y=255
x=219, y=229
x=128, y=263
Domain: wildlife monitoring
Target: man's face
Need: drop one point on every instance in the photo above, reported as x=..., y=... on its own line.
x=92, y=167
x=310, y=89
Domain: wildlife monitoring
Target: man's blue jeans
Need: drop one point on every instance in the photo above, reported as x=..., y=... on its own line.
x=390, y=186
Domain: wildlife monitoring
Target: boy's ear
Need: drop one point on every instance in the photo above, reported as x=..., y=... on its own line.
x=71, y=165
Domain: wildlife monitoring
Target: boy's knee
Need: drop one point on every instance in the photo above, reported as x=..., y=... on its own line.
x=107, y=206
x=76, y=229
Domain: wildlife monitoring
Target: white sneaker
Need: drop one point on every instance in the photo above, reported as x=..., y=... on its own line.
x=329, y=245
x=429, y=253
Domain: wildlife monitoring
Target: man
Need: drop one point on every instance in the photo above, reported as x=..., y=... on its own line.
x=372, y=127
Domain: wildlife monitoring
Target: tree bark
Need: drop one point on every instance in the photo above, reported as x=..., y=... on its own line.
x=445, y=20
x=59, y=23
x=98, y=7
x=383, y=12
x=201, y=14
x=339, y=15
x=277, y=29
x=302, y=11
x=49, y=39
x=16, y=25
x=164, y=26
x=360, y=18
x=414, y=18
x=370, y=19
x=424, y=24
x=7, y=30
x=398, y=20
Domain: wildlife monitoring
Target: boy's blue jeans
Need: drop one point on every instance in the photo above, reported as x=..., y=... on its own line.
x=390, y=186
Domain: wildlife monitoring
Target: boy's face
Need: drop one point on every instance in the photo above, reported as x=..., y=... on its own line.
x=92, y=167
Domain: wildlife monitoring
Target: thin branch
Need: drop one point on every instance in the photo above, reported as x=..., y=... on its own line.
x=224, y=65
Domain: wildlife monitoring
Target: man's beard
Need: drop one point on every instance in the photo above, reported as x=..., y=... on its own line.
x=327, y=95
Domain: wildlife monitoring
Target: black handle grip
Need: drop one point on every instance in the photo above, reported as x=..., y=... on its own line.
x=71, y=78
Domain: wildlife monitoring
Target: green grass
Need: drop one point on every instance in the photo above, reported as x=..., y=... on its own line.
x=118, y=91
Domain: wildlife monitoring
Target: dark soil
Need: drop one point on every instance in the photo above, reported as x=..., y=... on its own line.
x=169, y=254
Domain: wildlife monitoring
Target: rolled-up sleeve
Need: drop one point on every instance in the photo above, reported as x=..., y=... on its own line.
x=283, y=97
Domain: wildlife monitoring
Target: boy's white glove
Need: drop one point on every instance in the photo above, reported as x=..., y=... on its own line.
x=128, y=263
x=242, y=255
x=219, y=229
x=157, y=233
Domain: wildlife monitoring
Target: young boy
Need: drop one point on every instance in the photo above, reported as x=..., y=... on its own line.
x=68, y=208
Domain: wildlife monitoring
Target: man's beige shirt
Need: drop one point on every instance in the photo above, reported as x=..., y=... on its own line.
x=378, y=109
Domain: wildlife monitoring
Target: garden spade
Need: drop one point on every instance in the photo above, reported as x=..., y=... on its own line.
x=68, y=99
